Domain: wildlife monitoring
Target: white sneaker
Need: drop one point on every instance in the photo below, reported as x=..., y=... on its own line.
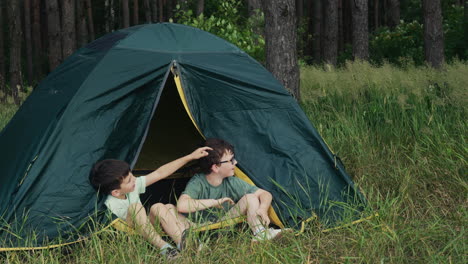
x=267, y=234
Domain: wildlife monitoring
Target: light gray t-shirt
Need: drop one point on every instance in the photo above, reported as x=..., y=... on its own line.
x=120, y=206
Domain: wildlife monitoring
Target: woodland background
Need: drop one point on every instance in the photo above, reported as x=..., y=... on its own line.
x=37, y=35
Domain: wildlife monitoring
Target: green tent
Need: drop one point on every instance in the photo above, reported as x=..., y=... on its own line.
x=147, y=95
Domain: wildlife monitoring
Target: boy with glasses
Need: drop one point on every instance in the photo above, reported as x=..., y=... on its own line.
x=214, y=192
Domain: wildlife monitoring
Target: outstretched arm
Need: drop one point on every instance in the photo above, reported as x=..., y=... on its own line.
x=169, y=168
x=186, y=204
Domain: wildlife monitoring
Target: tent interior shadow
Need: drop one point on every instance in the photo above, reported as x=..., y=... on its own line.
x=171, y=135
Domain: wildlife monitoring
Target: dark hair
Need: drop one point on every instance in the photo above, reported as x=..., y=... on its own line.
x=107, y=175
x=219, y=147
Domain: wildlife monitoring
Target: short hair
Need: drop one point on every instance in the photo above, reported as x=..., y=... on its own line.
x=219, y=147
x=107, y=175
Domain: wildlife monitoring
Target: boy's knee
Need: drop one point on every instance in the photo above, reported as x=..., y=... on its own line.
x=157, y=208
x=251, y=200
x=170, y=206
x=251, y=197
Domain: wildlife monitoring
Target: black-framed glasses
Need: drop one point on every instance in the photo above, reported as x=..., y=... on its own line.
x=233, y=160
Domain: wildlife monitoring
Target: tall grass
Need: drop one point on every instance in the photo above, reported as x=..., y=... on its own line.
x=401, y=134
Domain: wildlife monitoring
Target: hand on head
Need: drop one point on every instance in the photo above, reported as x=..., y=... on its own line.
x=200, y=152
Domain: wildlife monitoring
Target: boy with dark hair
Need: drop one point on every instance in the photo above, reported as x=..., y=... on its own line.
x=114, y=178
x=214, y=190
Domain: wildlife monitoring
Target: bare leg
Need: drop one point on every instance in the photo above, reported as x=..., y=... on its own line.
x=138, y=219
x=247, y=205
x=172, y=223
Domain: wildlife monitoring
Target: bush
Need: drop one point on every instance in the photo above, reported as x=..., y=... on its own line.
x=227, y=21
x=405, y=43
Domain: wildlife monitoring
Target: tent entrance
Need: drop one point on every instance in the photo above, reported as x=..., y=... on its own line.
x=171, y=135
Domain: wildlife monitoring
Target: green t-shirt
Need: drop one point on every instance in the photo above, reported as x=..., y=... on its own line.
x=199, y=188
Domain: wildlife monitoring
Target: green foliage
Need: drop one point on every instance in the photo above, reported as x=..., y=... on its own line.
x=456, y=46
x=228, y=22
x=404, y=43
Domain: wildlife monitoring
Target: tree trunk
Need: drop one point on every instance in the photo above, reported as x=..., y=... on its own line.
x=433, y=33
x=316, y=27
x=200, y=7
x=330, y=35
x=340, y=26
x=252, y=6
x=82, y=27
x=110, y=15
x=465, y=23
x=135, y=12
x=393, y=13
x=347, y=22
x=28, y=41
x=68, y=27
x=36, y=40
x=154, y=10
x=376, y=14
x=280, y=43
x=53, y=30
x=89, y=11
x=147, y=11
x=360, y=30
x=14, y=21
x=169, y=9
x=125, y=14
x=299, y=9
x=2, y=55
x=161, y=15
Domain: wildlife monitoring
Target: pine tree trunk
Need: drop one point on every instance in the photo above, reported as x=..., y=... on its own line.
x=2, y=55
x=36, y=40
x=14, y=21
x=360, y=30
x=299, y=9
x=154, y=10
x=340, y=27
x=135, y=12
x=200, y=7
x=376, y=14
x=252, y=6
x=433, y=33
x=316, y=28
x=169, y=9
x=82, y=28
x=347, y=22
x=28, y=41
x=89, y=11
x=393, y=13
x=125, y=14
x=110, y=15
x=330, y=33
x=68, y=27
x=280, y=43
x=161, y=9
x=54, y=38
x=147, y=11
x=465, y=23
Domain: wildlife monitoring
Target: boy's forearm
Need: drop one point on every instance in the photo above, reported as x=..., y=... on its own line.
x=192, y=205
x=171, y=167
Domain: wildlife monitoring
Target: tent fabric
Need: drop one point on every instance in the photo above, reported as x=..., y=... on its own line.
x=99, y=104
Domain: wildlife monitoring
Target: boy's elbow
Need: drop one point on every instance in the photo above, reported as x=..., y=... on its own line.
x=181, y=208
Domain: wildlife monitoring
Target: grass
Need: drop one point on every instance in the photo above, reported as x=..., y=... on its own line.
x=401, y=134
